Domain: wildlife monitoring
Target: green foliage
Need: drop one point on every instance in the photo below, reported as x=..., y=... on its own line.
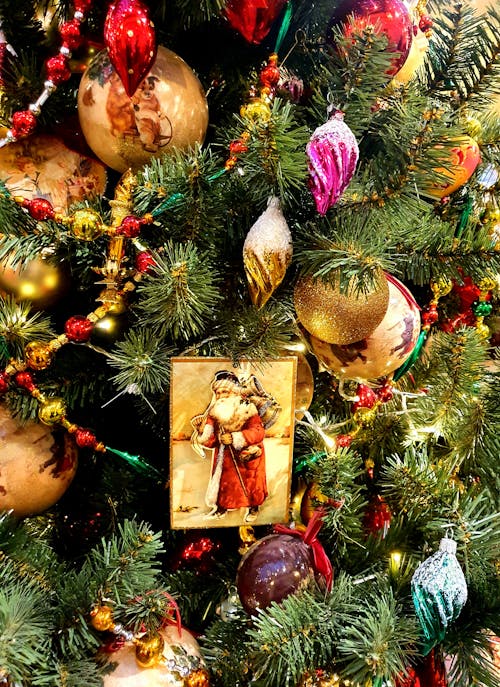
x=19, y=326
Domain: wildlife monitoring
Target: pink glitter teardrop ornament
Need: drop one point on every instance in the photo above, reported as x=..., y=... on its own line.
x=333, y=155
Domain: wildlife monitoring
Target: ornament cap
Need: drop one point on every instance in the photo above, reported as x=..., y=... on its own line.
x=448, y=545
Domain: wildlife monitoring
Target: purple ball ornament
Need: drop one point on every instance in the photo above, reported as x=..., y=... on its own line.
x=281, y=564
x=389, y=17
x=333, y=155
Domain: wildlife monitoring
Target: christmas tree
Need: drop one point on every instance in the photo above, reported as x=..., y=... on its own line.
x=249, y=407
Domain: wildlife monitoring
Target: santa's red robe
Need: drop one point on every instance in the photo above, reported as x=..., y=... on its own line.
x=242, y=482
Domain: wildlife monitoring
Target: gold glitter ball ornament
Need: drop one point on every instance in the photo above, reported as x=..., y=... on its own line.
x=36, y=465
x=38, y=281
x=267, y=252
x=52, y=410
x=180, y=664
x=149, y=649
x=86, y=225
x=382, y=351
x=38, y=355
x=340, y=318
x=101, y=618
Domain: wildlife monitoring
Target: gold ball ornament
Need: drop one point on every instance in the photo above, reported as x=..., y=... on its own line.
x=36, y=466
x=415, y=59
x=459, y=164
x=38, y=355
x=336, y=317
x=101, y=618
x=52, y=410
x=384, y=350
x=40, y=282
x=168, y=111
x=86, y=225
x=179, y=665
x=149, y=649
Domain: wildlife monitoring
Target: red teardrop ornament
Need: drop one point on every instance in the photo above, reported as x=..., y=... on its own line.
x=253, y=18
x=130, y=39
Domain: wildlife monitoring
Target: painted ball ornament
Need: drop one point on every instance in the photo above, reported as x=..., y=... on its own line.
x=273, y=568
x=458, y=165
x=158, y=659
x=340, y=317
x=168, y=111
x=36, y=466
x=389, y=17
x=382, y=351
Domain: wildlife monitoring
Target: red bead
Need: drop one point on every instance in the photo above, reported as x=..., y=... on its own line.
x=25, y=381
x=82, y=5
x=130, y=227
x=57, y=69
x=236, y=147
x=385, y=393
x=366, y=397
x=85, y=438
x=78, y=328
x=23, y=123
x=270, y=75
x=40, y=208
x=4, y=382
x=343, y=440
x=430, y=315
x=144, y=262
x=425, y=23
x=71, y=34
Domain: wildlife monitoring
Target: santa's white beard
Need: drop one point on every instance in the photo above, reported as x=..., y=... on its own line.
x=232, y=412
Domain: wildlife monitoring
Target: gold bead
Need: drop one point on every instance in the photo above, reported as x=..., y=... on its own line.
x=483, y=330
x=86, y=225
x=197, y=678
x=38, y=355
x=365, y=416
x=441, y=286
x=101, y=618
x=256, y=110
x=487, y=284
x=52, y=410
x=149, y=649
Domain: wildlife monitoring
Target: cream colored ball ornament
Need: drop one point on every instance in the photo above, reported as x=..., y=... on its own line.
x=384, y=350
x=168, y=111
x=35, y=467
x=180, y=665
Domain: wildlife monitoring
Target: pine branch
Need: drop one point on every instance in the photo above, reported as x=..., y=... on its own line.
x=180, y=295
x=226, y=653
x=19, y=326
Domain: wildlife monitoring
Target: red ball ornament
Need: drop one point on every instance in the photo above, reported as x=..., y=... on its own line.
x=428, y=672
x=85, y=438
x=253, y=18
x=4, y=382
x=144, y=262
x=25, y=381
x=40, y=208
x=130, y=227
x=425, y=23
x=78, y=328
x=82, y=5
x=130, y=39
x=57, y=69
x=343, y=440
x=385, y=393
x=71, y=34
x=273, y=568
x=389, y=17
x=366, y=397
x=377, y=518
x=23, y=123
x=430, y=315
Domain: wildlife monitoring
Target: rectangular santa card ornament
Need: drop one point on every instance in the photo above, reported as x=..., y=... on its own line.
x=231, y=441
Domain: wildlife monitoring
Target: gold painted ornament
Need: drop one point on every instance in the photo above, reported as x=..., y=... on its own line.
x=86, y=225
x=36, y=466
x=461, y=160
x=101, y=618
x=178, y=665
x=384, y=350
x=336, y=317
x=168, y=111
x=41, y=282
x=267, y=253
x=52, y=410
x=38, y=355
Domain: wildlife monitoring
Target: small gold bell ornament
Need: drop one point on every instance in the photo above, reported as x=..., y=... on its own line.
x=36, y=466
x=169, y=657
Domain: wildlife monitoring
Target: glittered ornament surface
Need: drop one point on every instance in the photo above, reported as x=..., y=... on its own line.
x=389, y=17
x=168, y=111
x=340, y=317
x=267, y=252
x=332, y=158
x=253, y=18
x=384, y=350
x=129, y=37
x=439, y=592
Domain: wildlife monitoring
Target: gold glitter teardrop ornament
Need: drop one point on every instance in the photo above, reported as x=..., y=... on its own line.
x=267, y=252
x=336, y=317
